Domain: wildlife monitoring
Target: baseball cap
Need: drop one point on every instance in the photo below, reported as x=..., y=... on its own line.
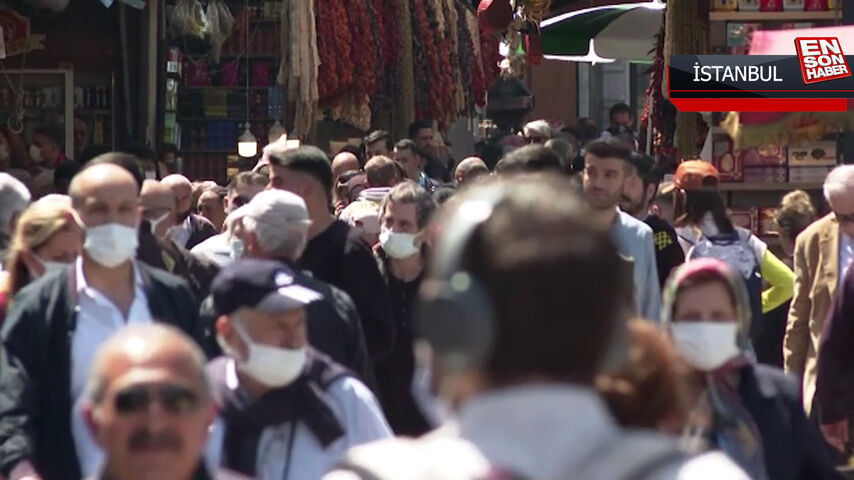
x=694, y=175
x=277, y=207
x=265, y=285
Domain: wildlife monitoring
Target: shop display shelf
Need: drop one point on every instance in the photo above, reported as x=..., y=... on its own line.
x=207, y=150
x=791, y=16
x=769, y=187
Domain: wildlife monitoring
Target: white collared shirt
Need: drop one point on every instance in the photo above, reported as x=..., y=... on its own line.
x=846, y=254
x=97, y=319
x=353, y=405
x=181, y=233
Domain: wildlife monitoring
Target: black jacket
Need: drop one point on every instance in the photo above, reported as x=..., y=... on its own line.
x=333, y=325
x=35, y=371
x=201, y=230
x=794, y=449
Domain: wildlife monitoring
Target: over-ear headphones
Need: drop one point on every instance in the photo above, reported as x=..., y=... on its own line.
x=455, y=314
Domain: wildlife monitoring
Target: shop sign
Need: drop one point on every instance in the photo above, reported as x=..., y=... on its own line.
x=813, y=78
x=16, y=34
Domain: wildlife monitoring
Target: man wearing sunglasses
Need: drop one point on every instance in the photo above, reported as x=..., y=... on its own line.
x=242, y=188
x=286, y=411
x=148, y=406
x=55, y=325
x=823, y=253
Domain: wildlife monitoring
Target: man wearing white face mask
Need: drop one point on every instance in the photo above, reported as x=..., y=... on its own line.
x=287, y=412
x=404, y=217
x=159, y=208
x=55, y=325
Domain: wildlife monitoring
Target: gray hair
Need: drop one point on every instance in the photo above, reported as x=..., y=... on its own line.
x=282, y=238
x=132, y=337
x=411, y=192
x=839, y=182
x=14, y=197
x=539, y=127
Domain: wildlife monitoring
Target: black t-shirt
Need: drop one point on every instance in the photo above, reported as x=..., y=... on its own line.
x=668, y=252
x=339, y=256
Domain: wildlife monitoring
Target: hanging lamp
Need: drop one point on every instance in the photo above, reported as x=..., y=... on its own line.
x=247, y=144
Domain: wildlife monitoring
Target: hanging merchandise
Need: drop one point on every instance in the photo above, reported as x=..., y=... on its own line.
x=406, y=99
x=221, y=23
x=189, y=19
x=303, y=62
x=334, y=41
x=761, y=128
x=494, y=15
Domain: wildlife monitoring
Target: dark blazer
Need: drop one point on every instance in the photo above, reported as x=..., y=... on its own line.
x=201, y=230
x=835, y=378
x=794, y=449
x=35, y=372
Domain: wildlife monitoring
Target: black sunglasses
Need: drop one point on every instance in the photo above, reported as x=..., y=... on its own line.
x=175, y=399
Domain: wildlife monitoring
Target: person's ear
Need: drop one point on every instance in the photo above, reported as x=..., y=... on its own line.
x=89, y=417
x=655, y=210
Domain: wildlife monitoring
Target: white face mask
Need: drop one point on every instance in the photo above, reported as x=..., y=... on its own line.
x=36, y=154
x=156, y=222
x=51, y=266
x=705, y=345
x=398, y=245
x=236, y=248
x=111, y=244
x=4, y=152
x=274, y=367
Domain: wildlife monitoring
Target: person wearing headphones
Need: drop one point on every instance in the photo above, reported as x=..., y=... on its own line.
x=517, y=331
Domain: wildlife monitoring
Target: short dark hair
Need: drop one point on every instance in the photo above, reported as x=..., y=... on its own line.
x=618, y=108
x=443, y=193
x=379, y=135
x=645, y=166
x=91, y=151
x=535, y=256
x=309, y=160
x=529, y=159
x=407, y=144
x=609, y=148
x=246, y=178
x=418, y=125
x=409, y=192
x=381, y=171
x=54, y=134
x=64, y=172
x=220, y=191
x=125, y=160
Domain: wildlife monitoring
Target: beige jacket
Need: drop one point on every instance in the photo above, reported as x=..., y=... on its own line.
x=816, y=276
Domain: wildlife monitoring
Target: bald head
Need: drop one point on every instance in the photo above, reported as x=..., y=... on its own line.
x=344, y=162
x=104, y=194
x=156, y=195
x=469, y=169
x=183, y=190
x=139, y=367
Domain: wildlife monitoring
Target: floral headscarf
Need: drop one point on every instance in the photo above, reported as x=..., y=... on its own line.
x=732, y=429
x=729, y=276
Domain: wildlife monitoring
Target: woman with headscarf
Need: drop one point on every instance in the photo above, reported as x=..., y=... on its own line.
x=751, y=412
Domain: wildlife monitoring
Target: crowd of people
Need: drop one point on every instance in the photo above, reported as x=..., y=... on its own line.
x=389, y=313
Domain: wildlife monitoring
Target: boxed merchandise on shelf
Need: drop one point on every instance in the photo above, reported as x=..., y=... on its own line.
x=725, y=159
x=745, y=217
x=766, y=174
x=809, y=174
x=813, y=154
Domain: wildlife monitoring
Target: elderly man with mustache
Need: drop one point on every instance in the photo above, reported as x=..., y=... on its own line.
x=148, y=406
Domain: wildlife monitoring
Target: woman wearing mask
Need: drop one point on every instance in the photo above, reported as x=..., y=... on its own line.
x=751, y=412
x=705, y=230
x=47, y=238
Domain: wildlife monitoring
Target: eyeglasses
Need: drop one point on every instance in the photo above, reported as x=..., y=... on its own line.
x=844, y=218
x=175, y=399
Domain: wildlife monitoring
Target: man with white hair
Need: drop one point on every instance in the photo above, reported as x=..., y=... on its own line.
x=274, y=226
x=14, y=197
x=190, y=229
x=823, y=253
x=538, y=131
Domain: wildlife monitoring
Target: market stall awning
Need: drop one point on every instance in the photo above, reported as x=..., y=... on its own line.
x=782, y=42
x=624, y=31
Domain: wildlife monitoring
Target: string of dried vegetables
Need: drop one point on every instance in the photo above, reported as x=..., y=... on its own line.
x=334, y=41
x=445, y=77
x=465, y=58
x=405, y=100
x=453, y=36
x=362, y=53
x=426, y=62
